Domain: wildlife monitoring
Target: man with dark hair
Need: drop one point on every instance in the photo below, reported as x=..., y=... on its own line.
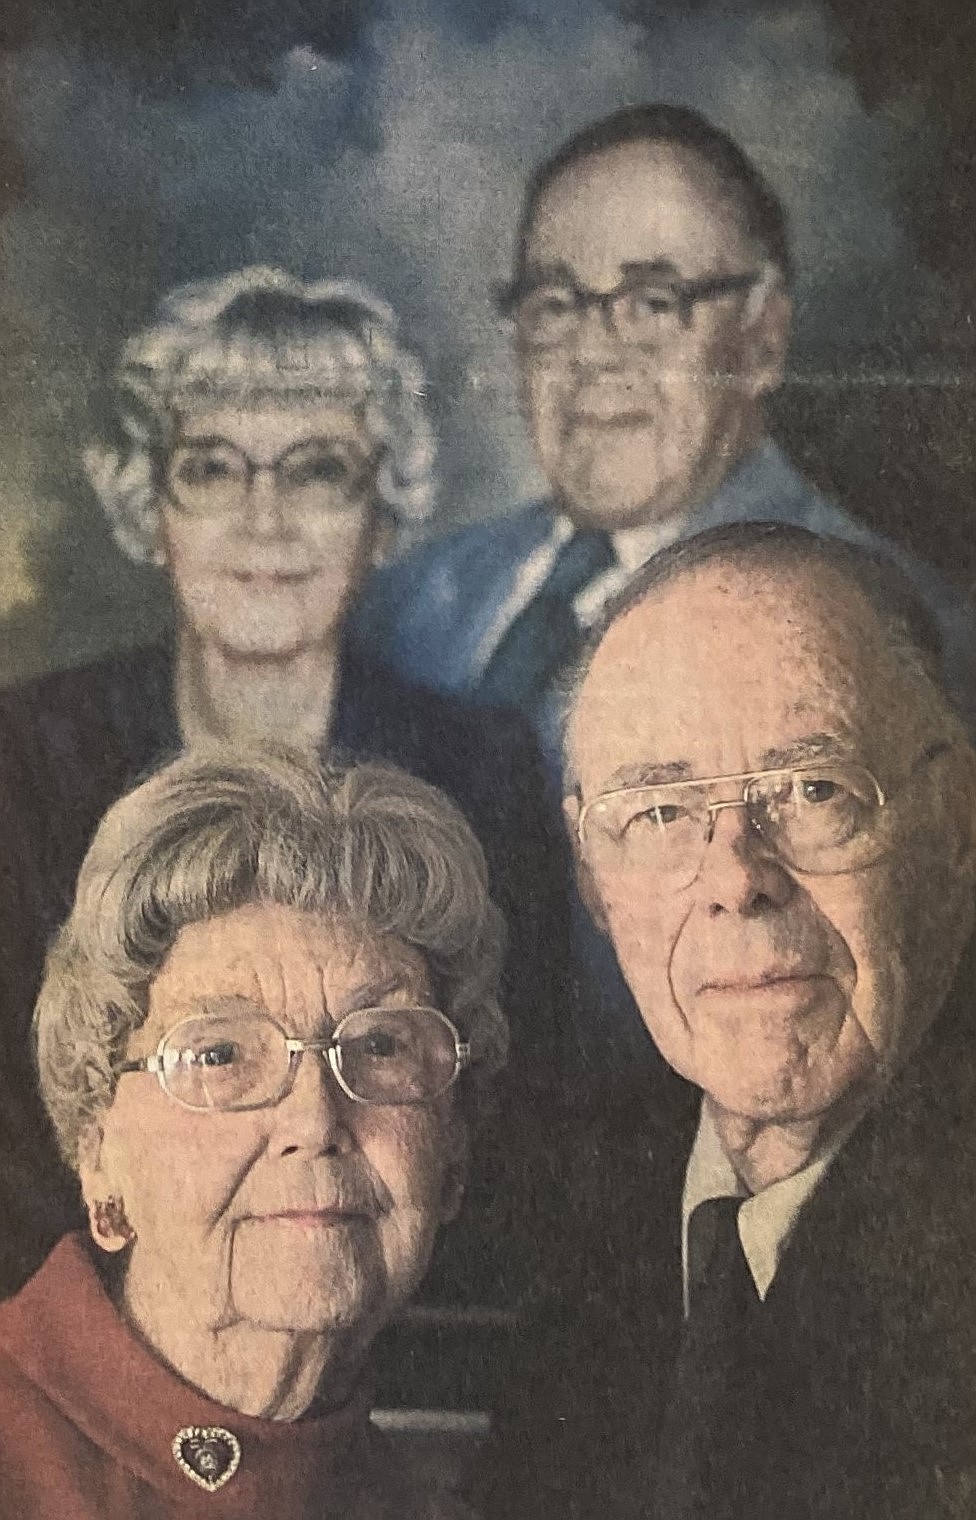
x=651, y=307
x=757, y=1300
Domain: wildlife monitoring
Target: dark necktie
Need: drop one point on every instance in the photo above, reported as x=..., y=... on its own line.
x=545, y=636
x=705, y=1421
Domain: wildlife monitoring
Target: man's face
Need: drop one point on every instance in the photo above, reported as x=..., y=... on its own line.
x=633, y=434
x=776, y=991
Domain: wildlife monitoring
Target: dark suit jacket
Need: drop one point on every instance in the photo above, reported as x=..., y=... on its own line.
x=72, y=743
x=863, y=1389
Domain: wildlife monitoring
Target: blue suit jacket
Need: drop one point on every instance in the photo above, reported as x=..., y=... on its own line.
x=426, y=616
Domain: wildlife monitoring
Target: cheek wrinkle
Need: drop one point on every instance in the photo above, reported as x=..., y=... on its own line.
x=670, y=968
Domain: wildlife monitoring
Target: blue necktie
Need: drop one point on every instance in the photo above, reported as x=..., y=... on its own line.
x=545, y=636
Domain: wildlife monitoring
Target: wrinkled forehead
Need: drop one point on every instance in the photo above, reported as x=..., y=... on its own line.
x=635, y=203
x=297, y=966
x=728, y=669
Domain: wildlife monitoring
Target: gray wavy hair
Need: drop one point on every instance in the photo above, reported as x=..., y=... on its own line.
x=254, y=335
x=366, y=845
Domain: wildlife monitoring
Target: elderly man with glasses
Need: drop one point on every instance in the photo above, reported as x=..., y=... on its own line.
x=651, y=309
x=759, y=1299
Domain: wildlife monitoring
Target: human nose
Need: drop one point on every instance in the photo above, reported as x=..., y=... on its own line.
x=314, y=1116
x=740, y=873
x=596, y=337
x=266, y=516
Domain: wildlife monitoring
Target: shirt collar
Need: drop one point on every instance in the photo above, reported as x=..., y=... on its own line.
x=752, y=481
x=767, y=1219
x=633, y=547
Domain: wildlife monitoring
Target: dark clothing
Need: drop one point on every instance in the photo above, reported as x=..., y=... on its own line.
x=854, y=1382
x=72, y=743
x=90, y=1417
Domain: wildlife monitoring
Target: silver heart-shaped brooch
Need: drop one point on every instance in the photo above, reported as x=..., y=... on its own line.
x=208, y=1454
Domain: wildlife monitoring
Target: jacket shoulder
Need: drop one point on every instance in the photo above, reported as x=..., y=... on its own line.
x=420, y=613
x=494, y=541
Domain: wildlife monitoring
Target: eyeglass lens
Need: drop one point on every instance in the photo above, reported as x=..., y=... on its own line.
x=402, y=1055
x=211, y=477
x=643, y=313
x=823, y=821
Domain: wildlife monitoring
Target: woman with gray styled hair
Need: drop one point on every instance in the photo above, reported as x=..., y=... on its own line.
x=272, y=436
x=259, y=1036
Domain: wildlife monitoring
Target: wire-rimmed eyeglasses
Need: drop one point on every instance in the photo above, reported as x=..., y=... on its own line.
x=548, y=308
x=243, y=1059
x=210, y=477
x=824, y=818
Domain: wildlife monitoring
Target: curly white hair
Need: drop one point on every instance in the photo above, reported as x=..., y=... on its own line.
x=261, y=333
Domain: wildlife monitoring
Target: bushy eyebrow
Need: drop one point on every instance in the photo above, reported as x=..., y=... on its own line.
x=560, y=273
x=371, y=994
x=649, y=773
x=217, y=1005
x=810, y=747
x=820, y=746
x=641, y=268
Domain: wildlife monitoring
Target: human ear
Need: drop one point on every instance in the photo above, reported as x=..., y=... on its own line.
x=767, y=341
x=107, y=1222
x=91, y=1172
x=588, y=890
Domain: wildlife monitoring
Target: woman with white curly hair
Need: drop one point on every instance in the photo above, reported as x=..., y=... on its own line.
x=271, y=441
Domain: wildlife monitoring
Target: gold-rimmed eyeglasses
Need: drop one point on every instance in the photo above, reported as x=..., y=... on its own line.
x=245, y=1060
x=823, y=818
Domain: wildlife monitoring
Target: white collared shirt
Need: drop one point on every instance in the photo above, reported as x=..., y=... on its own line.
x=766, y=1220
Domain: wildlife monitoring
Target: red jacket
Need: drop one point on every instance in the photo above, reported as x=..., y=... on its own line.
x=89, y=1417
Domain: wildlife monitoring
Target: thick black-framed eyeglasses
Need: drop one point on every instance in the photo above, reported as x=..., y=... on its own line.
x=548, y=308
x=210, y=477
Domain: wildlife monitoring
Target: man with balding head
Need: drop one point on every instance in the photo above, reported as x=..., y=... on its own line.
x=765, y=1302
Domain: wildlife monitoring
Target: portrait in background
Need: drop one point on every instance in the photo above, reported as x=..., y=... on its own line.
x=379, y=152
x=143, y=149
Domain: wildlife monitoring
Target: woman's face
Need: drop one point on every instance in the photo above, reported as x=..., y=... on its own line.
x=267, y=522
x=318, y=1213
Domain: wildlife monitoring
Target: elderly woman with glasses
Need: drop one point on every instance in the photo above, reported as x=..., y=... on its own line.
x=260, y=1036
x=271, y=440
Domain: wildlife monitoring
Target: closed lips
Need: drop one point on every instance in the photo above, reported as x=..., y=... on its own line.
x=271, y=575
x=752, y=983
x=317, y=1216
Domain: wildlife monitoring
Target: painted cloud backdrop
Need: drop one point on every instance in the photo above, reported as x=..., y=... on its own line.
x=399, y=161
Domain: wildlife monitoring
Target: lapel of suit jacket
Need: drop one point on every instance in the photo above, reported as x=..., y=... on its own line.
x=870, y=1323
